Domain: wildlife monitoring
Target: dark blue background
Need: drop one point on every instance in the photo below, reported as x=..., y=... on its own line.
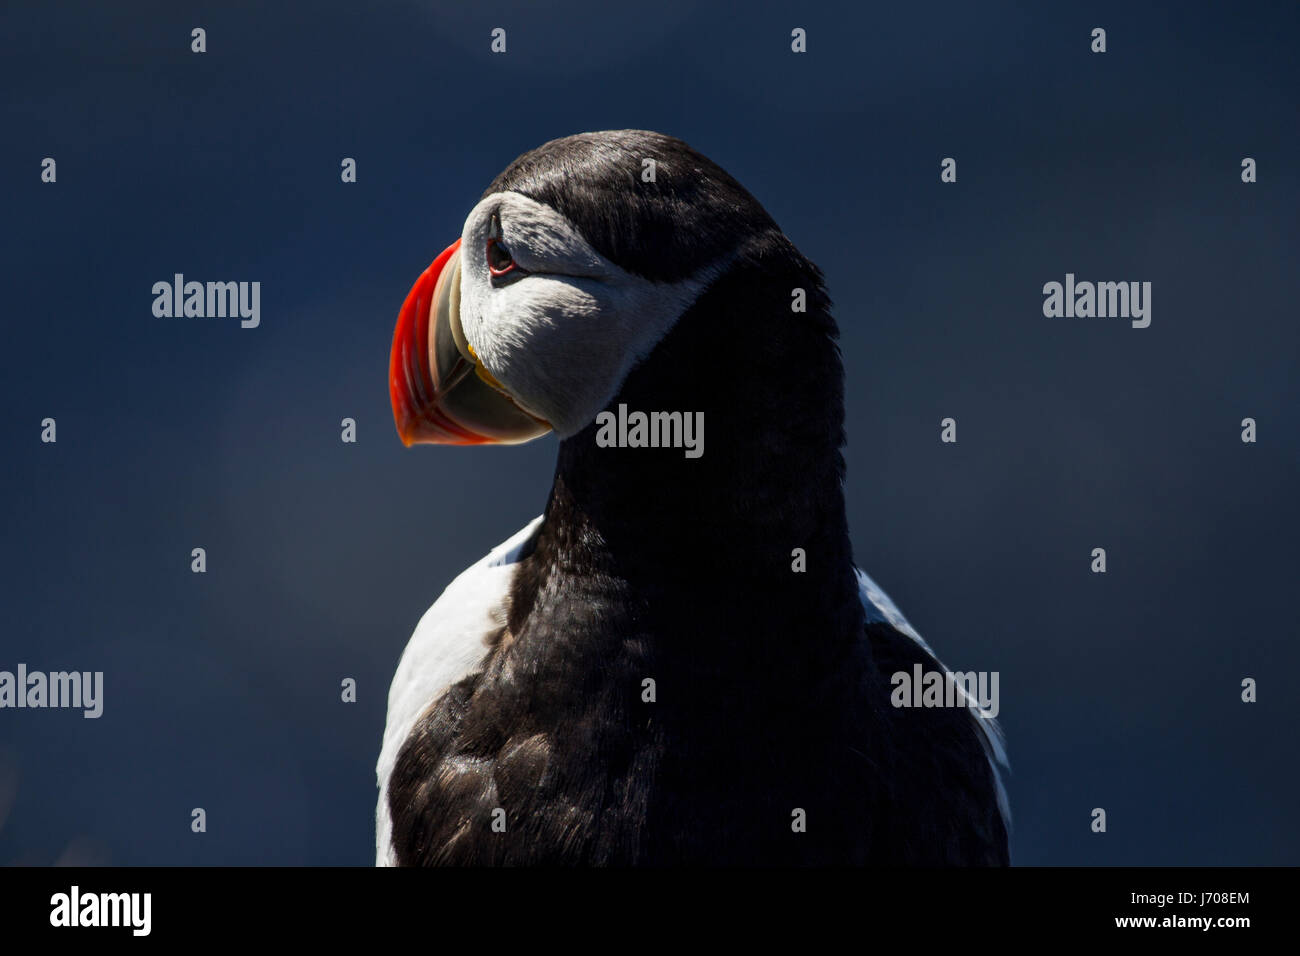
x=222, y=690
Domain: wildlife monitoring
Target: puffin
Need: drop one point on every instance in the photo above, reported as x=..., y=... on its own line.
x=678, y=662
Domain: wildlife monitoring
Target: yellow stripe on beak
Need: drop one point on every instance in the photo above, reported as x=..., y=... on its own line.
x=481, y=370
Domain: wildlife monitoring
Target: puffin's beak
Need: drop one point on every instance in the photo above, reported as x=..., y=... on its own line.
x=442, y=394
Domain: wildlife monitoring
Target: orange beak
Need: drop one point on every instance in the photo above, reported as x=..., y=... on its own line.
x=441, y=393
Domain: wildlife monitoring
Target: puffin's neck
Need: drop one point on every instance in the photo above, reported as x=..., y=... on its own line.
x=724, y=526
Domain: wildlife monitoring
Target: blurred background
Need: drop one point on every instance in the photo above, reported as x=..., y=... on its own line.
x=222, y=690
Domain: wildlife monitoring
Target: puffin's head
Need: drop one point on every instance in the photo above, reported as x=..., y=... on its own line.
x=574, y=264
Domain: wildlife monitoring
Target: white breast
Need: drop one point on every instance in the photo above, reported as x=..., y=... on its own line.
x=449, y=644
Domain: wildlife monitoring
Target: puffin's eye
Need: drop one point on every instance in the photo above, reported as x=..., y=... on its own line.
x=499, y=259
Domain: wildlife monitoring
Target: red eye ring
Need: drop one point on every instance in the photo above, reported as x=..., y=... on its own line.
x=499, y=260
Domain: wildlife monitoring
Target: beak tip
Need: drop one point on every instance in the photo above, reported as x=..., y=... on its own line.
x=398, y=401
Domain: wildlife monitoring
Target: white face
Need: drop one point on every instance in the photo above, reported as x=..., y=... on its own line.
x=562, y=335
